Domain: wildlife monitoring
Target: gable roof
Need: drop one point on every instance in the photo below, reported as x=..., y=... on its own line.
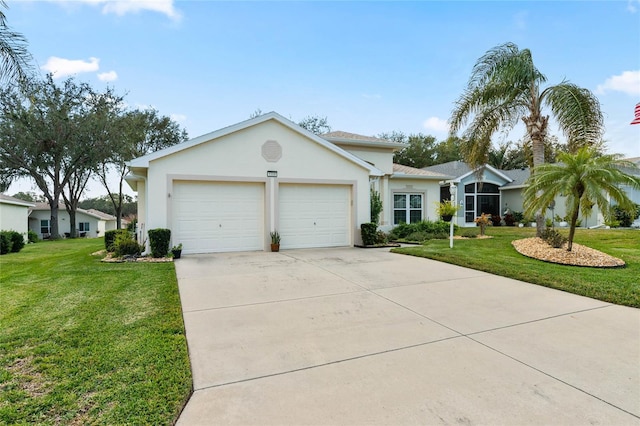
x=143, y=162
x=5, y=199
x=401, y=171
x=460, y=170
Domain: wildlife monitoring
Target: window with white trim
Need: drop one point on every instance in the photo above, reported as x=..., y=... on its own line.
x=407, y=208
x=83, y=226
x=45, y=227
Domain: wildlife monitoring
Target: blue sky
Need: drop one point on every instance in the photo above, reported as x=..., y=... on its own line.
x=369, y=67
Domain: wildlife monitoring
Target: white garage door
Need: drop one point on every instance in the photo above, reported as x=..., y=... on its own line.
x=315, y=215
x=217, y=217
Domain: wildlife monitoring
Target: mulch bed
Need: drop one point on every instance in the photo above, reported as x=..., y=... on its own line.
x=579, y=255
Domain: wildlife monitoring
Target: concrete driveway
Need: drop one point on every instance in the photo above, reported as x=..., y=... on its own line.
x=353, y=336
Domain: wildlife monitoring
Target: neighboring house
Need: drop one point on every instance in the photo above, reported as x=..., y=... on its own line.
x=227, y=190
x=14, y=214
x=494, y=191
x=89, y=223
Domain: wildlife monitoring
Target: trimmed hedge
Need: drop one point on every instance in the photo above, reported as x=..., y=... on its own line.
x=125, y=245
x=159, y=239
x=435, y=229
x=369, y=233
x=11, y=242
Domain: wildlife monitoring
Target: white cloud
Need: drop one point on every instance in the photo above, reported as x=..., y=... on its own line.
x=628, y=82
x=520, y=20
x=108, y=76
x=122, y=7
x=631, y=7
x=61, y=67
x=436, y=124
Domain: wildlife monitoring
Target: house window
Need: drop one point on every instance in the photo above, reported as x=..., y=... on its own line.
x=481, y=197
x=45, y=227
x=407, y=208
x=83, y=227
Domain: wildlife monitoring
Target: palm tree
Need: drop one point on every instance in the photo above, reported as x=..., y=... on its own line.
x=585, y=179
x=14, y=57
x=506, y=87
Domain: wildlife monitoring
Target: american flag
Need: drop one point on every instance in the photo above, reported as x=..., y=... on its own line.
x=637, y=119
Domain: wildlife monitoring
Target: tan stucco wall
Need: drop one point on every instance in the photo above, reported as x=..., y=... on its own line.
x=380, y=158
x=14, y=218
x=239, y=156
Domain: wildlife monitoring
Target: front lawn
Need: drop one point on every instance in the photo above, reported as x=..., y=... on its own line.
x=84, y=342
x=497, y=256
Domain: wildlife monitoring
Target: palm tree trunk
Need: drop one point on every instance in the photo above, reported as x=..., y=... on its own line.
x=572, y=229
x=537, y=130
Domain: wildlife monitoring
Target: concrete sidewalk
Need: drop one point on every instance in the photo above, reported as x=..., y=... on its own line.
x=353, y=336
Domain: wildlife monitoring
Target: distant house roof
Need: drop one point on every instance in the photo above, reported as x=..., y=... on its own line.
x=351, y=136
x=515, y=178
x=400, y=171
x=91, y=212
x=5, y=199
x=452, y=168
x=519, y=177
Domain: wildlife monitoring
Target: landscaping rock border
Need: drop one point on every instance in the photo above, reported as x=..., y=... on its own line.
x=579, y=255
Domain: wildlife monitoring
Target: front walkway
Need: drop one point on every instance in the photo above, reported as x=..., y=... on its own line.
x=353, y=336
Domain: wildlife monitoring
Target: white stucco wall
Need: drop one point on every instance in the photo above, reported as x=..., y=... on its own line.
x=430, y=190
x=380, y=158
x=239, y=156
x=14, y=218
x=95, y=228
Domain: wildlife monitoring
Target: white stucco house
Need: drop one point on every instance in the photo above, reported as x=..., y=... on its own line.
x=89, y=223
x=228, y=189
x=14, y=214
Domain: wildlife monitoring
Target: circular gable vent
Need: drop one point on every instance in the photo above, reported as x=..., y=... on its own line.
x=271, y=151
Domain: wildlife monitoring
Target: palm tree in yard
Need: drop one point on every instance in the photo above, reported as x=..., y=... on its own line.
x=506, y=87
x=14, y=57
x=585, y=179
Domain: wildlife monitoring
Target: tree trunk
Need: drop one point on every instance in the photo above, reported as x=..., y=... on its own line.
x=53, y=224
x=72, y=223
x=537, y=130
x=572, y=230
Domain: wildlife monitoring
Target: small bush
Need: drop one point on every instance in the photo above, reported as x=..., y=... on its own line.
x=554, y=238
x=125, y=245
x=382, y=238
x=403, y=230
x=625, y=217
x=518, y=216
x=469, y=233
x=159, y=239
x=496, y=219
x=32, y=236
x=5, y=242
x=110, y=237
x=369, y=233
x=17, y=241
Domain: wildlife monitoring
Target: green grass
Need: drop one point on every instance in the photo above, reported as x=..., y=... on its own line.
x=85, y=342
x=496, y=255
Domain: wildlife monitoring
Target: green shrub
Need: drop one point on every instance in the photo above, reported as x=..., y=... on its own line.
x=626, y=217
x=469, y=233
x=5, y=242
x=159, y=239
x=131, y=226
x=554, y=238
x=376, y=206
x=110, y=237
x=436, y=228
x=32, y=236
x=124, y=245
x=17, y=241
x=369, y=233
x=518, y=216
x=382, y=238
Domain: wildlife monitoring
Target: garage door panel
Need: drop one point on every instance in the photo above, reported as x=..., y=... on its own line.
x=218, y=216
x=314, y=215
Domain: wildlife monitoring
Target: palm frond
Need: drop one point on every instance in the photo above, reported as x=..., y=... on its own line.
x=578, y=113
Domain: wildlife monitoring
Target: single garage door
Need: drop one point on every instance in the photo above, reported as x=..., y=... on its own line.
x=314, y=215
x=218, y=216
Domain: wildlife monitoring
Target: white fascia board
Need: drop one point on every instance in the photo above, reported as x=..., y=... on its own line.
x=369, y=144
x=143, y=162
x=17, y=203
x=133, y=179
x=496, y=171
x=406, y=176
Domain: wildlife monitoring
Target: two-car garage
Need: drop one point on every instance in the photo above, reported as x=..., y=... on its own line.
x=229, y=189
x=234, y=216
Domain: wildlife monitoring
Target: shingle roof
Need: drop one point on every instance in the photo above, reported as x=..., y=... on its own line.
x=12, y=200
x=519, y=176
x=91, y=212
x=353, y=136
x=452, y=168
x=399, y=169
